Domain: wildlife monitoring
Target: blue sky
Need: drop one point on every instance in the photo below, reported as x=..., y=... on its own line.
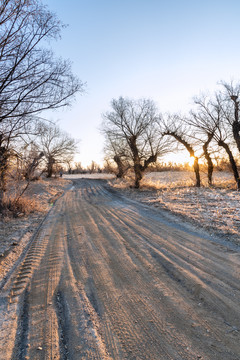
x=166, y=50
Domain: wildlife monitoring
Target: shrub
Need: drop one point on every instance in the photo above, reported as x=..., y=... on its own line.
x=19, y=207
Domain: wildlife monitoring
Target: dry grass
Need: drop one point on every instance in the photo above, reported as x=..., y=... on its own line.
x=22, y=217
x=19, y=207
x=38, y=197
x=175, y=179
x=184, y=179
x=124, y=183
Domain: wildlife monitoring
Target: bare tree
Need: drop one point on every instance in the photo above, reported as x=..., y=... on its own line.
x=211, y=119
x=31, y=79
x=78, y=168
x=174, y=125
x=32, y=161
x=115, y=149
x=58, y=147
x=132, y=125
x=203, y=132
x=228, y=101
x=10, y=132
x=4, y=156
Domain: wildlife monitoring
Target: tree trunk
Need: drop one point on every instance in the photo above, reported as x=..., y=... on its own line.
x=51, y=161
x=210, y=168
x=151, y=159
x=208, y=158
x=236, y=135
x=119, y=163
x=197, y=172
x=33, y=166
x=138, y=167
x=191, y=153
x=236, y=123
x=3, y=169
x=136, y=160
x=232, y=162
x=138, y=175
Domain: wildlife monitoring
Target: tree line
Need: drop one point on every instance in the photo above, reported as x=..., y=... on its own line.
x=137, y=134
x=32, y=80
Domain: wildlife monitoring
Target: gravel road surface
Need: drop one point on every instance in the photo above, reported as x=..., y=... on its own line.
x=106, y=277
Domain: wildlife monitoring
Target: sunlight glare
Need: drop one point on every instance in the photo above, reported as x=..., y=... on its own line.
x=191, y=161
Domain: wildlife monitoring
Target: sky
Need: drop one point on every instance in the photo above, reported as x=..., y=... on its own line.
x=165, y=50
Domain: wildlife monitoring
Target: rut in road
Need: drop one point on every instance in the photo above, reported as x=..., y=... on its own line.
x=108, y=278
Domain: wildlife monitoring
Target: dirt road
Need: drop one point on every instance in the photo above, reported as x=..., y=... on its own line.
x=107, y=278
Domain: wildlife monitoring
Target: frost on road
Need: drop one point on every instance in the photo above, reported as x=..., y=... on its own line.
x=108, y=278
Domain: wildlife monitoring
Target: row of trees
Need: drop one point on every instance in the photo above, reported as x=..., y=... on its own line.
x=48, y=151
x=32, y=79
x=136, y=134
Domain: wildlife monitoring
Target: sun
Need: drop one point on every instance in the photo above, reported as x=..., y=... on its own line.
x=181, y=158
x=191, y=160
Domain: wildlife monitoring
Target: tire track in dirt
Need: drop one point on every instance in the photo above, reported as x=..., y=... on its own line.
x=191, y=283
x=119, y=270
x=150, y=355
x=16, y=293
x=99, y=282
x=42, y=339
x=179, y=254
x=208, y=327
